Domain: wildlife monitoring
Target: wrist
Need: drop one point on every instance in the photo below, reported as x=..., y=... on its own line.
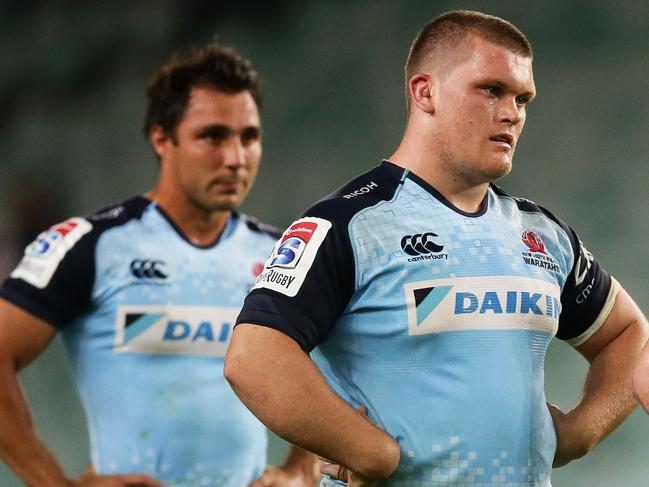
x=581, y=433
x=306, y=474
x=302, y=465
x=574, y=436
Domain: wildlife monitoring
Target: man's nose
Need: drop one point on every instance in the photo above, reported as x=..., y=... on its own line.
x=510, y=112
x=234, y=153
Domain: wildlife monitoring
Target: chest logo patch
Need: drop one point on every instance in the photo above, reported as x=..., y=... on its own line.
x=423, y=246
x=482, y=303
x=537, y=254
x=174, y=330
x=148, y=269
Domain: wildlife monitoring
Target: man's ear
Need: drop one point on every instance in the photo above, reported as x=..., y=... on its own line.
x=421, y=88
x=159, y=139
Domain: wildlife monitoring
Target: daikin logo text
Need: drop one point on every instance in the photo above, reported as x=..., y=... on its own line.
x=484, y=302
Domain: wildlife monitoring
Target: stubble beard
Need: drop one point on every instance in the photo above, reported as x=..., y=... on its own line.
x=475, y=173
x=209, y=206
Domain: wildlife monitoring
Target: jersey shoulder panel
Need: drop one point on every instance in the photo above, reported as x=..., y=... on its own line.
x=254, y=225
x=119, y=214
x=589, y=291
x=54, y=279
x=377, y=185
x=530, y=206
x=309, y=278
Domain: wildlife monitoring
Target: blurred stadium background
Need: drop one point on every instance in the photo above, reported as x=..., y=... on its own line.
x=72, y=83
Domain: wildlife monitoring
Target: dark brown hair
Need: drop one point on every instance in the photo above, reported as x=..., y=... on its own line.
x=213, y=65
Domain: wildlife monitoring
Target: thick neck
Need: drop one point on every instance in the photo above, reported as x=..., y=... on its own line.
x=417, y=153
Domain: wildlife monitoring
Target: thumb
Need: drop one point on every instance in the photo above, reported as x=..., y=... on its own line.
x=337, y=472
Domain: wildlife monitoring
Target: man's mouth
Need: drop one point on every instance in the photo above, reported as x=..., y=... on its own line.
x=228, y=185
x=506, y=138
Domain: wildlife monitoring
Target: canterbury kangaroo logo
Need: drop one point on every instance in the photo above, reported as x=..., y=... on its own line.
x=142, y=268
x=420, y=243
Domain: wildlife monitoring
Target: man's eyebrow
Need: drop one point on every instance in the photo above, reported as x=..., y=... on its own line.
x=529, y=95
x=503, y=85
x=251, y=129
x=214, y=130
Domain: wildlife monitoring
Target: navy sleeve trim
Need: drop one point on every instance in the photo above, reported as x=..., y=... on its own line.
x=601, y=319
x=38, y=309
x=256, y=226
x=261, y=309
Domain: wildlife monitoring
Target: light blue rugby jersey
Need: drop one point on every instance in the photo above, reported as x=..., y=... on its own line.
x=436, y=320
x=146, y=318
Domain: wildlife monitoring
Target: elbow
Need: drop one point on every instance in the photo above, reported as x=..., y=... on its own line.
x=240, y=370
x=232, y=368
x=237, y=362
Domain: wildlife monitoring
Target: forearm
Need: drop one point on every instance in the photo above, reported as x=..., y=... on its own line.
x=286, y=392
x=608, y=398
x=20, y=447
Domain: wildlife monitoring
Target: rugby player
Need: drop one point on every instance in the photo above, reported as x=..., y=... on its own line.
x=432, y=295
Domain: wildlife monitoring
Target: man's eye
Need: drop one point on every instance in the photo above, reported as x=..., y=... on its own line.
x=249, y=136
x=522, y=100
x=492, y=90
x=213, y=137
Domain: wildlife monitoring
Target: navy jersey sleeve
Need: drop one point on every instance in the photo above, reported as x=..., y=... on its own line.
x=587, y=297
x=310, y=277
x=54, y=279
x=306, y=283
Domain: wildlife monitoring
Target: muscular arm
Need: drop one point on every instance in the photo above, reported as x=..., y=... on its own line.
x=607, y=399
x=22, y=338
x=283, y=388
x=641, y=379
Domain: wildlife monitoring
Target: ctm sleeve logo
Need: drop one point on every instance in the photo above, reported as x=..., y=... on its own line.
x=293, y=256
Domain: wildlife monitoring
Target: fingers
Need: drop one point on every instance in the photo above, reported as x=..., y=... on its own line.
x=267, y=479
x=337, y=472
x=340, y=472
x=90, y=479
x=262, y=481
x=139, y=480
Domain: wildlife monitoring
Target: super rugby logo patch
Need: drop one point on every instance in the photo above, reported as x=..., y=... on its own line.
x=43, y=256
x=293, y=256
x=292, y=245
